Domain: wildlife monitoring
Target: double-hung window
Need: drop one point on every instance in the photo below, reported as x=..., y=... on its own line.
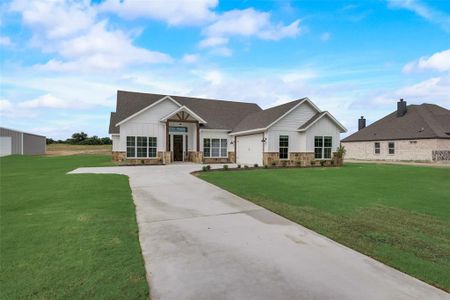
x=322, y=147
x=391, y=147
x=284, y=147
x=376, y=148
x=215, y=148
x=141, y=147
x=152, y=146
x=131, y=146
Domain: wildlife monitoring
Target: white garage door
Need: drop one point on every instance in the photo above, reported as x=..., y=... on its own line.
x=249, y=149
x=5, y=145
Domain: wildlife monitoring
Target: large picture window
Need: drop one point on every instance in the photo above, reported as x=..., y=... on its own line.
x=322, y=147
x=284, y=147
x=141, y=147
x=215, y=148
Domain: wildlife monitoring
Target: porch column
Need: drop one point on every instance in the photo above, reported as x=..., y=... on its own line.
x=167, y=137
x=198, y=137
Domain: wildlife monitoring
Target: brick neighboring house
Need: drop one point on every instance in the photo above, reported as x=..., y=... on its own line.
x=160, y=129
x=412, y=133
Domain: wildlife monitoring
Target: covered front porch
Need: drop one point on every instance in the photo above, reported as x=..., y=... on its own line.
x=183, y=136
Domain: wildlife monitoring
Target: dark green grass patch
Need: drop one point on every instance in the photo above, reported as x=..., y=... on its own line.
x=67, y=236
x=399, y=215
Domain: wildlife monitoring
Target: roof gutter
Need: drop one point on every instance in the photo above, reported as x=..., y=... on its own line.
x=258, y=130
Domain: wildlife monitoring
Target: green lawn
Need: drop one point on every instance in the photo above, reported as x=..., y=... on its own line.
x=399, y=215
x=67, y=236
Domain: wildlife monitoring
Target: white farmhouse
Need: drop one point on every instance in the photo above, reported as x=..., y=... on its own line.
x=161, y=129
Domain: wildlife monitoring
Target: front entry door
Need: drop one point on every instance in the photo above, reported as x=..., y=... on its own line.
x=178, y=148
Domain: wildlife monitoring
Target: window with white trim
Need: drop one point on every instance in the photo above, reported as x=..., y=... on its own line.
x=284, y=146
x=141, y=147
x=376, y=148
x=391, y=147
x=322, y=147
x=215, y=148
x=131, y=146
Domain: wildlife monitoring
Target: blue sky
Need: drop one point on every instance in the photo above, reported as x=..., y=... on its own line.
x=63, y=61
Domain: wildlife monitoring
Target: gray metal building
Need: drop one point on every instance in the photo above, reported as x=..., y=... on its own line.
x=18, y=142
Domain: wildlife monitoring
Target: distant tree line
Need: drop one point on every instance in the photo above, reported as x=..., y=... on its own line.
x=81, y=138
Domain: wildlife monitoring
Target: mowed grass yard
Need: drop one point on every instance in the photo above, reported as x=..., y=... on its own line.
x=67, y=236
x=399, y=215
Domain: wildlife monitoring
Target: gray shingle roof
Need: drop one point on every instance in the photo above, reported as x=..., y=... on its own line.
x=264, y=118
x=218, y=114
x=112, y=123
x=312, y=120
x=420, y=122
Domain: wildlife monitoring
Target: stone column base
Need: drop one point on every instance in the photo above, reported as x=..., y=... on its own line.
x=166, y=157
x=119, y=156
x=195, y=157
x=162, y=158
x=231, y=157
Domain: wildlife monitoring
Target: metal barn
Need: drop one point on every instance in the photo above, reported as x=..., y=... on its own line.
x=19, y=142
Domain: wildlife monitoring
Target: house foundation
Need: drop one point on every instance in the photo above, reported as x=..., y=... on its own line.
x=296, y=159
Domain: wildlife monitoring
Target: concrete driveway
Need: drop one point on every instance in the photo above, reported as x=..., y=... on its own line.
x=201, y=242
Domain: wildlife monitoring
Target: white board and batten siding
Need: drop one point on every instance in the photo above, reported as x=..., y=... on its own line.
x=288, y=126
x=249, y=149
x=147, y=123
x=323, y=127
x=115, y=138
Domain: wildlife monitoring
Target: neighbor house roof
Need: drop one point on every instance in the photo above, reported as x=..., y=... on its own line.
x=423, y=121
x=218, y=114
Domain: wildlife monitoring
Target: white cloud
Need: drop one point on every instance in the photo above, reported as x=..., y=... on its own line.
x=432, y=90
x=56, y=19
x=291, y=77
x=247, y=22
x=213, y=77
x=46, y=101
x=6, y=41
x=101, y=49
x=174, y=12
x=326, y=36
x=213, y=42
x=279, y=31
x=439, y=61
x=71, y=30
x=190, y=58
x=435, y=90
x=221, y=51
x=5, y=105
x=423, y=11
